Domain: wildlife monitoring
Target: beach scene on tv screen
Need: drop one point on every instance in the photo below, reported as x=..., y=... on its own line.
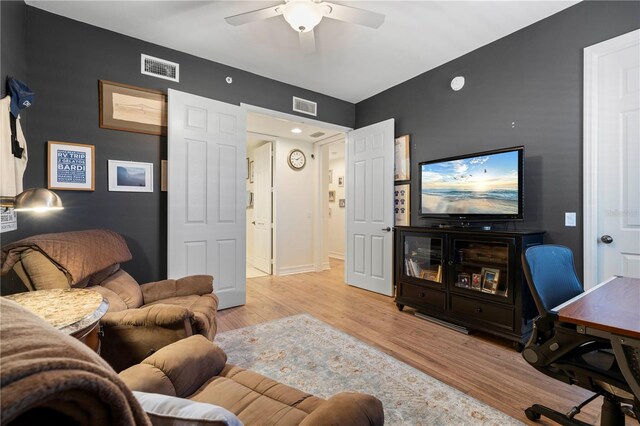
x=478, y=185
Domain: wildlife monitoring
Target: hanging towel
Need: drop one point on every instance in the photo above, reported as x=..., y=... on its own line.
x=11, y=166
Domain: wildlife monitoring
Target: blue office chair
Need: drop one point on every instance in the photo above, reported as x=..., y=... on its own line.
x=559, y=351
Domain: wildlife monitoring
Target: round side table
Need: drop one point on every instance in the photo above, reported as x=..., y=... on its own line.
x=76, y=312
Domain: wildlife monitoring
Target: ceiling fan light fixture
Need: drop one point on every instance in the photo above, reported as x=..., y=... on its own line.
x=302, y=15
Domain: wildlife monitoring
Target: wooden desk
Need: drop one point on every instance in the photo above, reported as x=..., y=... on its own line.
x=612, y=307
x=76, y=312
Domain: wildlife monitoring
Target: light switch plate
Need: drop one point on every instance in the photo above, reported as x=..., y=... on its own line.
x=570, y=219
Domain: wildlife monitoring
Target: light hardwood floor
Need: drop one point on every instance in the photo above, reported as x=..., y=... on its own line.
x=484, y=367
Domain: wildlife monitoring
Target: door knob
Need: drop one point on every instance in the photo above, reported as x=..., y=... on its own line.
x=606, y=239
x=387, y=229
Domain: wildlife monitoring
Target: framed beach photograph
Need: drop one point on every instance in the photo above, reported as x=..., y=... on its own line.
x=71, y=166
x=490, y=278
x=132, y=109
x=332, y=196
x=402, y=168
x=130, y=176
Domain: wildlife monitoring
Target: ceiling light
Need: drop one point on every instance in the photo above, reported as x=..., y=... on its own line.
x=296, y=130
x=302, y=15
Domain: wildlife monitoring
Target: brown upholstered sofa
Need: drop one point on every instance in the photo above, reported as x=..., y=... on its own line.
x=141, y=318
x=47, y=376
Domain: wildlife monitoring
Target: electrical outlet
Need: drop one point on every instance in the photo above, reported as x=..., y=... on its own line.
x=570, y=219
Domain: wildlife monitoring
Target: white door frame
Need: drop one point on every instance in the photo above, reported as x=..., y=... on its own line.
x=321, y=200
x=592, y=55
x=317, y=193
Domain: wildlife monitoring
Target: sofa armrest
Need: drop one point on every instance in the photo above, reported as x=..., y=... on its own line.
x=193, y=284
x=155, y=315
x=347, y=408
x=178, y=369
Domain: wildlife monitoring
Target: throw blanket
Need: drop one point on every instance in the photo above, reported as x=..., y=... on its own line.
x=78, y=253
x=45, y=370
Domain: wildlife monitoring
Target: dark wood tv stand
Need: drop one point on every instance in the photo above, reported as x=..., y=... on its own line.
x=471, y=278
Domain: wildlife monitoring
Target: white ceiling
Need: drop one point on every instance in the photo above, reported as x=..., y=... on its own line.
x=263, y=128
x=351, y=62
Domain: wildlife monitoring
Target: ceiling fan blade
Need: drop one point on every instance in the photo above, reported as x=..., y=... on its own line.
x=255, y=15
x=353, y=15
x=308, y=42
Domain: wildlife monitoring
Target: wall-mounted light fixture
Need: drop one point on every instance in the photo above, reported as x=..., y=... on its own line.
x=457, y=83
x=37, y=200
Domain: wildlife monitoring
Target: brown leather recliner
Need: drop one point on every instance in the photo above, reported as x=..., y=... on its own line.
x=141, y=318
x=51, y=378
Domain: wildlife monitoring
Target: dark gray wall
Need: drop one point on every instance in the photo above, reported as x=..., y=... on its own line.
x=532, y=78
x=13, y=45
x=65, y=60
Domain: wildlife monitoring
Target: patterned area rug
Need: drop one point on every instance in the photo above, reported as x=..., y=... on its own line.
x=304, y=352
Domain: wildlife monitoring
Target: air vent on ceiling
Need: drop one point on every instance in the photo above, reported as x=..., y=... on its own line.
x=304, y=106
x=160, y=68
x=317, y=134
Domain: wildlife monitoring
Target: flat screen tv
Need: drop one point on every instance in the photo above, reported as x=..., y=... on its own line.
x=484, y=186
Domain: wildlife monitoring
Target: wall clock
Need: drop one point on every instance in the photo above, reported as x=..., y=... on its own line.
x=296, y=159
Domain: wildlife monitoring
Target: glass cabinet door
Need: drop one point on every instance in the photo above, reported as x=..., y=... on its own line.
x=423, y=258
x=481, y=266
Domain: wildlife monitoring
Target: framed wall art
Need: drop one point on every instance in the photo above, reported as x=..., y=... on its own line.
x=402, y=202
x=71, y=166
x=130, y=176
x=332, y=196
x=402, y=168
x=342, y=203
x=132, y=109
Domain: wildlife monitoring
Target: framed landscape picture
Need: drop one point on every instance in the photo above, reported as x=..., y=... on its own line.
x=71, y=166
x=132, y=109
x=130, y=176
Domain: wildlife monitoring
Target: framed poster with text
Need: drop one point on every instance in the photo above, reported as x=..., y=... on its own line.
x=71, y=166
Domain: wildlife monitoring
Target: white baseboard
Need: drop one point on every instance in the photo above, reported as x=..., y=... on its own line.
x=325, y=266
x=300, y=269
x=335, y=255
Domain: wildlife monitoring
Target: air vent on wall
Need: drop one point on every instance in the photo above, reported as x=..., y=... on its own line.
x=317, y=134
x=160, y=68
x=304, y=106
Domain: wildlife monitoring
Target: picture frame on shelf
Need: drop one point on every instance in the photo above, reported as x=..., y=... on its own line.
x=402, y=164
x=130, y=176
x=132, y=109
x=490, y=279
x=476, y=281
x=71, y=166
x=464, y=280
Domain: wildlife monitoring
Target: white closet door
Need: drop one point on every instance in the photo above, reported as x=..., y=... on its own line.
x=262, y=206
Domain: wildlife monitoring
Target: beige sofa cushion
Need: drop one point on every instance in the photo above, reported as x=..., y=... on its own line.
x=126, y=287
x=42, y=272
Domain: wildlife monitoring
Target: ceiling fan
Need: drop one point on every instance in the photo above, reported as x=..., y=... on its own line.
x=304, y=15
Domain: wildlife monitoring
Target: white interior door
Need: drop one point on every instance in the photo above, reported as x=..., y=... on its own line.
x=206, y=193
x=369, y=216
x=613, y=87
x=262, y=207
